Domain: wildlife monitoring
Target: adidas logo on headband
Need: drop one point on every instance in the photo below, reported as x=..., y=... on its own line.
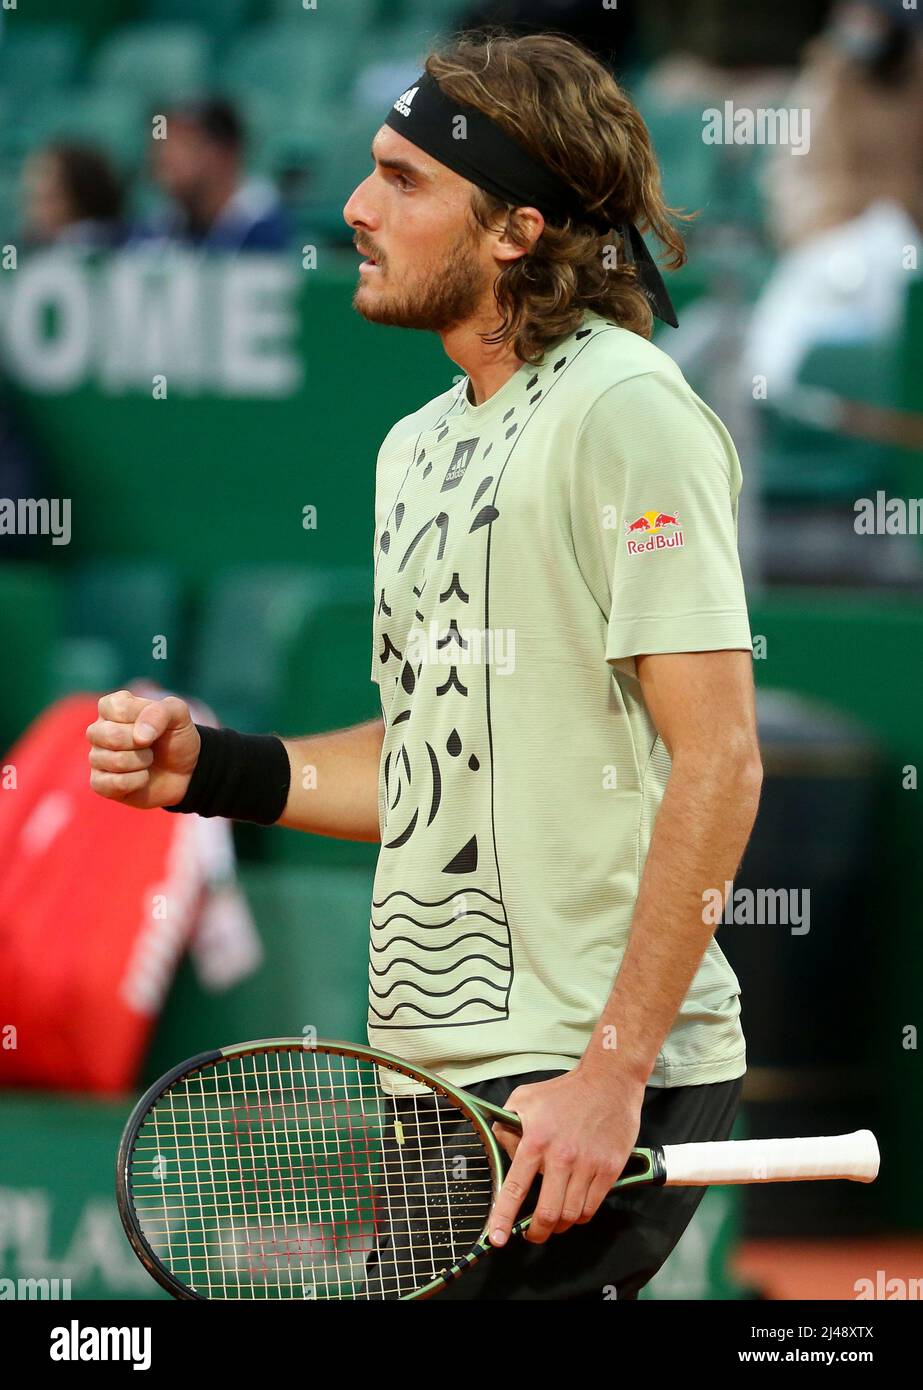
x=404, y=101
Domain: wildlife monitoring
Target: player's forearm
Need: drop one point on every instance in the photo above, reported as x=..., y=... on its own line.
x=334, y=786
x=699, y=837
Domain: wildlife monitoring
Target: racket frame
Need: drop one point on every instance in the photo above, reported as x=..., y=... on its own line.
x=124, y=1165
x=480, y=1113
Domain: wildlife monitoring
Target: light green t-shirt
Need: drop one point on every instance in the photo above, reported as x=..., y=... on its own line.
x=526, y=550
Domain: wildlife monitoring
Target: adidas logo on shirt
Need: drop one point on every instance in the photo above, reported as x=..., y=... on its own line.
x=464, y=453
x=404, y=101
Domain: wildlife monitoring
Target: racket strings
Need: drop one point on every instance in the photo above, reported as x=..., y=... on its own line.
x=290, y=1173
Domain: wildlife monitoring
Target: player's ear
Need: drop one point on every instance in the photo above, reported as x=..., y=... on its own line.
x=529, y=225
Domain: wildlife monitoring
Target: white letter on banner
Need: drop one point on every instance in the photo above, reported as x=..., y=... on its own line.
x=153, y=317
x=259, y=328
x=57, y=361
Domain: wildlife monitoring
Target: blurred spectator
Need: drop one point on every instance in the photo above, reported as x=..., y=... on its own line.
x=845, y=285
x=862, y=82
x=847, y=211
x=200, y=166
x=73, y=197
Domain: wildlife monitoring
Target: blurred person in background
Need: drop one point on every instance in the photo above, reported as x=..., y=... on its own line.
x=847, y=210
x=73, y=198
x=200, y=165
x=862, y=82
x=847, y=214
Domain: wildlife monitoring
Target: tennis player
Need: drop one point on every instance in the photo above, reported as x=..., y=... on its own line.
x=567, y=758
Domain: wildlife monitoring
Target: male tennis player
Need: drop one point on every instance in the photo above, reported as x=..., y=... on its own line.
x=567, y=757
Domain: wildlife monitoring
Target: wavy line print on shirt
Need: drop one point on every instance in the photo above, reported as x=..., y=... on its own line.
x=431, y=965
x=442, y=946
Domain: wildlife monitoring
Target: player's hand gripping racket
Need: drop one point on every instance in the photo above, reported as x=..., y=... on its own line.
x=284, y=1169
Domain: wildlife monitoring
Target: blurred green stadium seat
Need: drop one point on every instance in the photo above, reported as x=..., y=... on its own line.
x=84, y=663
x=250, y=617
x=328, y=683
x=287, y=649
x=155, y=61
x=803, y=462
x=354, y=15
x=296, y=146
x=389, y=13
x=739, y=187
x=386, y=66
x=314, y=926
x=327, y=686
x=219, y=18
x=35, y=57
x=689, y=167
x=724, y=181
x=93, y=18
x=442, y=14
x=264, y=113
x=30, y=625
x=861, y=371
x=9, y=203
x=288, y=136
x=908, y=387
x=294, y=60
x=113, y=120
x=910, y=352
x=341, y=167
x=129, y=604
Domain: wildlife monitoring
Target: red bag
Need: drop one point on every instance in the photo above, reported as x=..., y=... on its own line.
x=97, y=903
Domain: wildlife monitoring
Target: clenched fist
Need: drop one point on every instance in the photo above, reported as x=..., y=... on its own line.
x=143, y=752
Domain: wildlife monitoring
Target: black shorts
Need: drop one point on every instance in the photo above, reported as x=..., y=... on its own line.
x=635, y=1229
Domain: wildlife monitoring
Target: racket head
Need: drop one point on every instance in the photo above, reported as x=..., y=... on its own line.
x=283, y=1169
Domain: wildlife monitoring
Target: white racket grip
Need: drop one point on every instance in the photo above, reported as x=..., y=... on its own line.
x=853, y=1156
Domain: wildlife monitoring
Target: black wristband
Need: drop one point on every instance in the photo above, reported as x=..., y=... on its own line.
x=240, y=776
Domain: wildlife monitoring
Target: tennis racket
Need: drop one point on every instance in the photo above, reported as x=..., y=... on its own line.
x=290, y=1169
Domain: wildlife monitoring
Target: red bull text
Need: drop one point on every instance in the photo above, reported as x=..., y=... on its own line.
x=650, y=529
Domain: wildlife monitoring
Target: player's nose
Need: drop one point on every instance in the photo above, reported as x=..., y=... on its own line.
x=357, y=211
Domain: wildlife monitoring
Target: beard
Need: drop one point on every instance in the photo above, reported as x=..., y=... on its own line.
x=444, y=297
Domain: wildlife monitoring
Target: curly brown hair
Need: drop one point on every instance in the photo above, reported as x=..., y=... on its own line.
x=559, y=102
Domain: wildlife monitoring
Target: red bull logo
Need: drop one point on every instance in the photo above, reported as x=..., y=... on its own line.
x=650, y=531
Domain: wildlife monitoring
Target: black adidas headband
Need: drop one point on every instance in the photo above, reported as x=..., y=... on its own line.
x=494, y=161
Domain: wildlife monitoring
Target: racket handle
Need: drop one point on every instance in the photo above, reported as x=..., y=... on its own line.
x=853, y=1156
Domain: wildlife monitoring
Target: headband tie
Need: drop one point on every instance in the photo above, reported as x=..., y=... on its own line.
x=494, y=161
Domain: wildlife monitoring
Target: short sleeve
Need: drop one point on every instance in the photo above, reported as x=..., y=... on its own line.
x=653, y=495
